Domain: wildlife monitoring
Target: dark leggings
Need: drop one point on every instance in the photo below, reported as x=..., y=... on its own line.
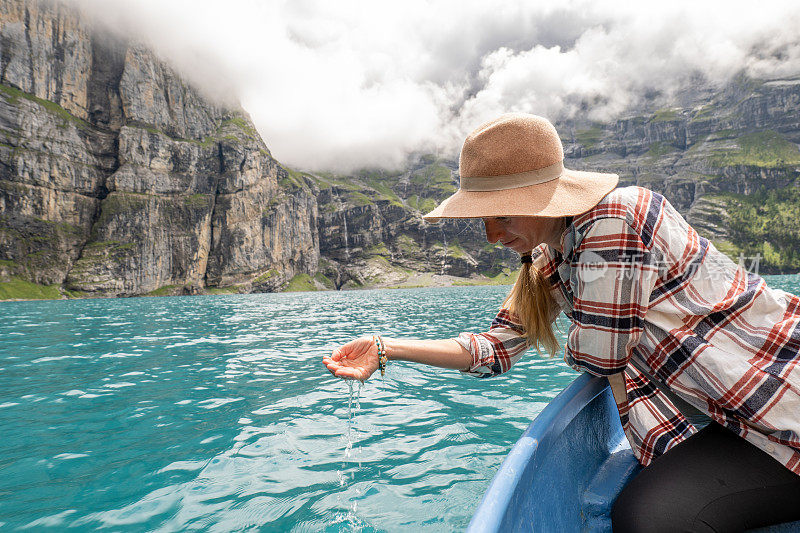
x=713, y=481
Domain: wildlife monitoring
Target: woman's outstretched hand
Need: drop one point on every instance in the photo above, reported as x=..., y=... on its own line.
x=357, y=359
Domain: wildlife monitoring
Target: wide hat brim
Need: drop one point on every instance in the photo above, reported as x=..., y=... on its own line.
x=571, y=193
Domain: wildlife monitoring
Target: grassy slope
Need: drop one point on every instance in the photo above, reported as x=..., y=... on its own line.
x=19, y=289
x=767, y=149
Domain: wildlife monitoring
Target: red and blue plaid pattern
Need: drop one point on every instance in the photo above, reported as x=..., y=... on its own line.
x=647, y=296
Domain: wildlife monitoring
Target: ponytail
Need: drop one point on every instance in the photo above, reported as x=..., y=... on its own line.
x=531, y=301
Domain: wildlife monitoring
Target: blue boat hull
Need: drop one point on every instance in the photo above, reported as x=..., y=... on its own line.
x=567, y=469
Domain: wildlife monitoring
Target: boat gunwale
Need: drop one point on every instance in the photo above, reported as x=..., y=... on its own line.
x=534, y=443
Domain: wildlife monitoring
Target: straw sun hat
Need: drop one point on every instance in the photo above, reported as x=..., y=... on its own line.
x=514, y=166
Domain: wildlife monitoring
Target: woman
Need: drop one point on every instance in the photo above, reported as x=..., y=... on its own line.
x=679, y=330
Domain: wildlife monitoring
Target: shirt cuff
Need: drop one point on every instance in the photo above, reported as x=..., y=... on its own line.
x=482, y=354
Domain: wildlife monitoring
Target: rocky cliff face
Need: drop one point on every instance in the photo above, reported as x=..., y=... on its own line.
x=733, y=157
x=371, y=229
x=729, y=161
x=118, y=178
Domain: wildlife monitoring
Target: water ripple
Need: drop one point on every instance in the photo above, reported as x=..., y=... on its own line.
x=215, y=414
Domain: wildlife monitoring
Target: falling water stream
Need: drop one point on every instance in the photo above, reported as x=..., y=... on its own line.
x=344, y=234
x=349, y=471
x=444, y=252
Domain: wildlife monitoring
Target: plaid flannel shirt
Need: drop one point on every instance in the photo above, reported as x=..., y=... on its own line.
x=647, y=296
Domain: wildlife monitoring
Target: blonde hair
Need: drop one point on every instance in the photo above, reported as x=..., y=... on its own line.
x=531, y=301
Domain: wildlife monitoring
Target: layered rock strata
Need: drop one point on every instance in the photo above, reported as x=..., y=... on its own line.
x=119, y=178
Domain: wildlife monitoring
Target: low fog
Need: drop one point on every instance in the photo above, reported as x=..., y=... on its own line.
x=349, y=84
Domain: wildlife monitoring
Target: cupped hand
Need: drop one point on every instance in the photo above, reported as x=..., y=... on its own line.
x=357, y=359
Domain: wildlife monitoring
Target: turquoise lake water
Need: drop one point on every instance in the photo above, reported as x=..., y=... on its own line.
x=215, y=413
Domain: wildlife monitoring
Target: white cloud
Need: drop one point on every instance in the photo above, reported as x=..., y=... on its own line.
x=339, y=85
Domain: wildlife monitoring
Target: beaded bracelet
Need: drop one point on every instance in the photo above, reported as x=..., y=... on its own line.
x=382, y=359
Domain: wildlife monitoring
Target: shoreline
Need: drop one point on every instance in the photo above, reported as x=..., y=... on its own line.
x=416, y=280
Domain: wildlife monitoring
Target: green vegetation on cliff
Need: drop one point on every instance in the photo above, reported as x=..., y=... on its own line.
x=293, y=179
x=120, y=202
x=420, y=189
x=455, y=251
x=766, y=223
x=704, y=112
x=659, y=149
x=665, y=115
x=241, y=123
x=300, y=283
x=15, y=94
x=166, y=290
x=378, y=249
x=504, y=277
x=266, y=276
x=589, y=137
x=423, y=205
x=19, y=289
x=325, y=280
x=767, y=149
x=362, y=188
x=435, y=180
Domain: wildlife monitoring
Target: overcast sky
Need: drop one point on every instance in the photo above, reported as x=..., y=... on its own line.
x=345, y=84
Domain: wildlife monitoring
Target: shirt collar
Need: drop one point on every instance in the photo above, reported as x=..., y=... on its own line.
x=568, y=238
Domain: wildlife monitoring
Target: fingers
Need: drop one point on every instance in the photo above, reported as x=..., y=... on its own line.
x=330, y=365
x=338, y=353
x=344, y=372
x=350, y=373
x=343, y=352
x=334, y=367
x=352, y=349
